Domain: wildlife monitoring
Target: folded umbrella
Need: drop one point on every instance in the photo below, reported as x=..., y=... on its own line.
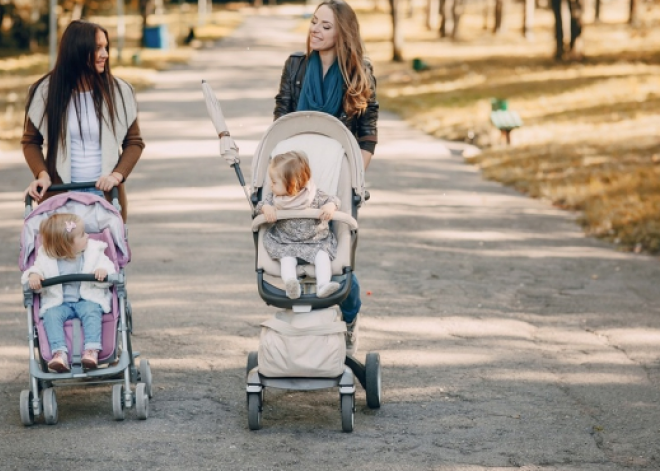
x=228, y=148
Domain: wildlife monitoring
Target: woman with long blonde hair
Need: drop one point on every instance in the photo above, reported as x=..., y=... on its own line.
x=333, y=76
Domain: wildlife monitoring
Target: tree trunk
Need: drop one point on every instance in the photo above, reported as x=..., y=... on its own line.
x=433, y=14
x=146, y=9
x=499, y=16
x=633, y=18
x=576, y=45
x=397, y=31
x=486, y=14
x=528, y=19
x=559, y=30
x=443, y=18
x=457, y=9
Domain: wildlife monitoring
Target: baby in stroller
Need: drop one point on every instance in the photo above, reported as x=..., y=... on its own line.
x=67, y=250
x=73, y=253
x=291, y=239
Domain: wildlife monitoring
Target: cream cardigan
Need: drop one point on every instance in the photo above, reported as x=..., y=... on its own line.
x=96, y=291
x=110, y=141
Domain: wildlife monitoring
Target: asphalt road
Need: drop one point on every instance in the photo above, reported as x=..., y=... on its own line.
x=508, y=339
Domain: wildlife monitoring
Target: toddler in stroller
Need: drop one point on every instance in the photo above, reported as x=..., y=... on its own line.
x=55, y=230
x=292, y=239
x=66, y=249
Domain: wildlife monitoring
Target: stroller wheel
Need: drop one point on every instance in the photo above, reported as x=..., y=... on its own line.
x=141, y=401
x=27, y=412
x=118, y=401
x=252, y=361
x=372, y=380
x=347, y=412
x=254, y=411
x=50, y=406
x=145, y=376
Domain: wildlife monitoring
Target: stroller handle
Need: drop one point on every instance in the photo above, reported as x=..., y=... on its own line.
x=114, y=193
x=344, y=218
x=56, y=280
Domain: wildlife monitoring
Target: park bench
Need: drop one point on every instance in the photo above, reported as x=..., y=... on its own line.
x=504, y=119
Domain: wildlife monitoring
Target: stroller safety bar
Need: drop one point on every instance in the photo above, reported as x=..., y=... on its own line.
x=56, y=280
x=305, y=213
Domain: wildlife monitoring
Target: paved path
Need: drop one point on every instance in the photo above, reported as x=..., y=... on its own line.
x=508, y=339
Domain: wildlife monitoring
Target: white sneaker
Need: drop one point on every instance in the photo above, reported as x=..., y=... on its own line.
x=352, y=337
x=327, y=289
x=292, y=289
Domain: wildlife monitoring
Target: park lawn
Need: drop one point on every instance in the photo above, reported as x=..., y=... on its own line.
x=591, y=135
x=137, y=65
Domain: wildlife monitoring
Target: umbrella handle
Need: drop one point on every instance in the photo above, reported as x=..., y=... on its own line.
x=241, y=180
x=239, y=174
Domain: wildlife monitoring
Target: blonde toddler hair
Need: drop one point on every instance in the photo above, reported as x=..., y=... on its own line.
x=55, y=239
x=293, y=169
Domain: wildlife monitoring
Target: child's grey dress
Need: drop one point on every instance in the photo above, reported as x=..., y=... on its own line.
x=301, y=238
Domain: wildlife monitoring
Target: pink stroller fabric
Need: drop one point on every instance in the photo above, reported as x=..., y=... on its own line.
x=97, y=213
x=102, y=222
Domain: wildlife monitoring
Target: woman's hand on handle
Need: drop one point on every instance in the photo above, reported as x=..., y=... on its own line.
x=366, y=158
x=37, y=189
x=108, y=182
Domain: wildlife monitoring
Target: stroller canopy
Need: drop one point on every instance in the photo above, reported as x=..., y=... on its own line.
x=97, y=213
x=288, y=132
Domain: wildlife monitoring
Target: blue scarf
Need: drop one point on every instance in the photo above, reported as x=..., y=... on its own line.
x=319, y=93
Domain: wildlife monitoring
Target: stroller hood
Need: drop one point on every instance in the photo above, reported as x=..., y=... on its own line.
x=308, y=122
x=97, y=213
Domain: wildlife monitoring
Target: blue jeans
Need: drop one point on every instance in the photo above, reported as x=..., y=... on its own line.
x=89, y=314
x=351, y=305
x=94, y=191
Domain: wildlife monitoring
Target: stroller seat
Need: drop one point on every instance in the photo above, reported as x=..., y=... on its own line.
x=108, y=321
x=331, y=172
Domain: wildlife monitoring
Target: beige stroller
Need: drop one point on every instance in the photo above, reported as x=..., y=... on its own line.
x=302, y=347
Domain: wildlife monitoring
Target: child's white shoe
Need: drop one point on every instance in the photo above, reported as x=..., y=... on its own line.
x=327, y=289
x=292, y=289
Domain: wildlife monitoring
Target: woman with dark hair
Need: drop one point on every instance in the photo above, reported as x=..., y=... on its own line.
x=334, y=77
x=87, y=117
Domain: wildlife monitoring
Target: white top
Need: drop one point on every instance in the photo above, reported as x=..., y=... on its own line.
x=85, y=147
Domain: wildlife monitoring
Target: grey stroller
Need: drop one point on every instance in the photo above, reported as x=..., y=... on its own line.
x=337, y=168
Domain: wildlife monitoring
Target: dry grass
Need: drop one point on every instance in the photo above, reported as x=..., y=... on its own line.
x=137, y=65
x=590, y=135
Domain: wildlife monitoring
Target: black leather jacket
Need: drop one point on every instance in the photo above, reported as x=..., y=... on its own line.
x=364, y=126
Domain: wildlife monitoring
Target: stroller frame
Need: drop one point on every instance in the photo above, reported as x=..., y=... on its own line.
x=40, y=398
x=369, y=373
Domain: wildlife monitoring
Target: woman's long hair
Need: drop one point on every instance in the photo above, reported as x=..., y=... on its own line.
x=75, y=71
x=349, y=49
